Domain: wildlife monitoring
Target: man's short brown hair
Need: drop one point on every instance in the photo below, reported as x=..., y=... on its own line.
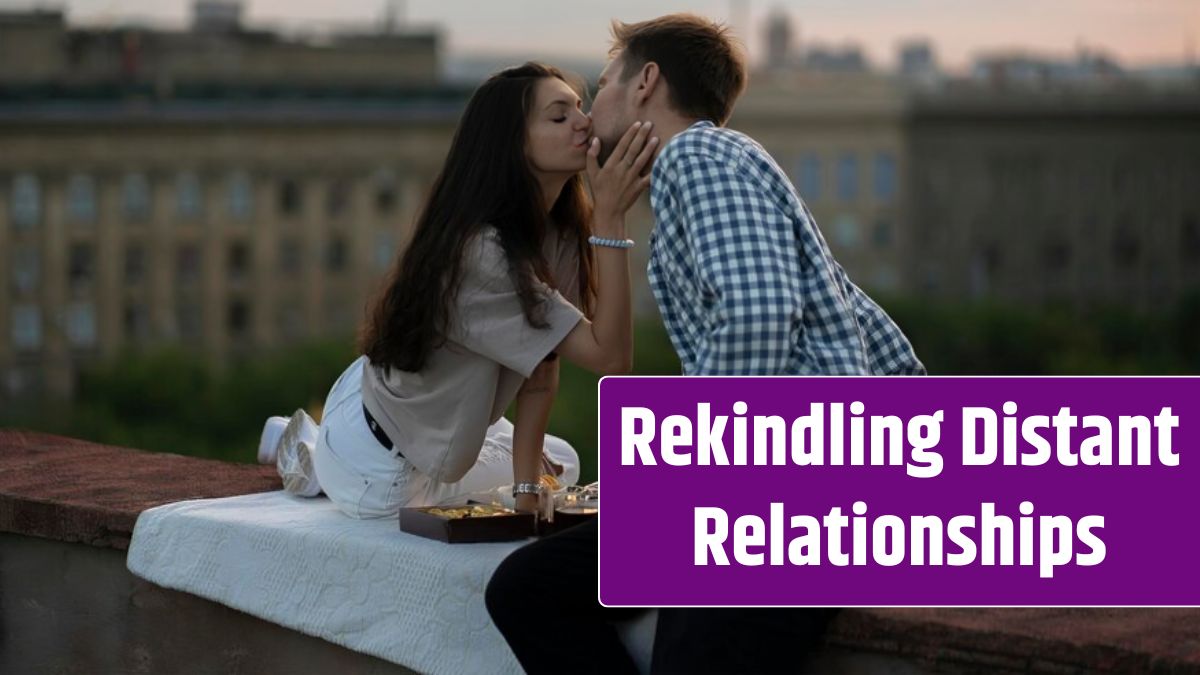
x=704, y=67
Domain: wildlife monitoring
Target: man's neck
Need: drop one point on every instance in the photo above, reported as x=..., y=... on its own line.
x=668, y=125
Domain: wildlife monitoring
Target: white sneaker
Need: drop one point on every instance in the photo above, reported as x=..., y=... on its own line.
x=293, y=455
x=269, y=442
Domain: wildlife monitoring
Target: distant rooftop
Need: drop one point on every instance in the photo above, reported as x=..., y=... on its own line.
x=37, y=47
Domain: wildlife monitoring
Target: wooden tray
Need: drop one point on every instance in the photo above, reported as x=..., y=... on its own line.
x=468, y=530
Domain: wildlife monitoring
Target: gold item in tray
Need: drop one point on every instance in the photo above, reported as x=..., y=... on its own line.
x=472, y=511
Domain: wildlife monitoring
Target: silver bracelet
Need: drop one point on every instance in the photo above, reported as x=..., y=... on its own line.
x=527, y=489
x=610, y=243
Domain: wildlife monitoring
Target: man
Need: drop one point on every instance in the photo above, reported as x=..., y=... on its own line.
x=746, y=286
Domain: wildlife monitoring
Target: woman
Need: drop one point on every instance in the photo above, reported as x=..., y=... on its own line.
x=500, y=279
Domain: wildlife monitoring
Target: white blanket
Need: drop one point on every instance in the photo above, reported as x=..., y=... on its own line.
x=362, y=584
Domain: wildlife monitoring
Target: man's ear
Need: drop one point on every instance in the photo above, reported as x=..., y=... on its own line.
x=649, y=79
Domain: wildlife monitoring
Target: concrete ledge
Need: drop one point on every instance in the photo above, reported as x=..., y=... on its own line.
x=73, y=609
x=74, y=491
x=1063, y=641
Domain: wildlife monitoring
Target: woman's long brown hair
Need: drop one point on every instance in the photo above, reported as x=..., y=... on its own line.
x=486, y=181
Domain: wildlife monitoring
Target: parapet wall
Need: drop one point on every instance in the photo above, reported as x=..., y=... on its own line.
x=68, y=604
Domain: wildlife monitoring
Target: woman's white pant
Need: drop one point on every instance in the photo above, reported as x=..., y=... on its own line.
x=366, y=480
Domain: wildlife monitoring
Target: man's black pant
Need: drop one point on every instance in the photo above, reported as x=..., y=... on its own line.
x=559, y=573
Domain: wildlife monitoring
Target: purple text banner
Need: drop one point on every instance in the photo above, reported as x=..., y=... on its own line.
x=875, y=491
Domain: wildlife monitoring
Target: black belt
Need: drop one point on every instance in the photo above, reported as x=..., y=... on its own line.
x=377, y=431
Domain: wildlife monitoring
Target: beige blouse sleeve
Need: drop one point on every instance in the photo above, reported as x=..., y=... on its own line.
x=489, y=319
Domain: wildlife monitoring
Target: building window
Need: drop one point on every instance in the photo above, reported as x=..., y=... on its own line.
x=26, y=327
x=1190, y=239
x=239, y=318
x=188, y=322
x=931, y=278
x=993, y=260
x=338, y=317
x=1126, y=249
x=26, y=269
x=241, y=196
x=337, y=201
x=885, y=279
x=845, y=231
x=881, y=234
x=385, y=250
x=135, y=197
x=26, y=205
x=189, y=196
x=239, y=261
x=290, y=254
x=885, y=177
x=335, y=255
x=985, y=263
x=81, y=198
x=187, y=264
x=19, y=380
x=387, y=197
x=808, y=177
x=986, y=266
x=137, y=322
x=1056, y=253
x=1122, y=174
x=81, y=324
x=289, y=197
x=847, y=178
x=135, y=264
x=291, y=322
x=81, y=267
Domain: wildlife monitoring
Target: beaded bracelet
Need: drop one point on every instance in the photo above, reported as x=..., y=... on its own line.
x=610, y=243
x=527, y=489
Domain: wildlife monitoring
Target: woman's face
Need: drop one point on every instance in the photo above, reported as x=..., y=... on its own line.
x=558, y=132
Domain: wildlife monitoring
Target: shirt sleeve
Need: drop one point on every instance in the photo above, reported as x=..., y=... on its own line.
x=489, y=319
x=889, y=350
x=747, y=266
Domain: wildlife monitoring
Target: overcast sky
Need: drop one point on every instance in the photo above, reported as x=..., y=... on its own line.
x=1136, y=31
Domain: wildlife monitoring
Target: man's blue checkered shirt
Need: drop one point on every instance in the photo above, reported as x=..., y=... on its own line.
x=743, y=278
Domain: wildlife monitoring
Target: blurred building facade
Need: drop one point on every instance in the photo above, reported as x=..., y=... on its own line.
x=969, y=191
x=226, y=205
x=1052, y=199
x=39, y=50
x=152, y=195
